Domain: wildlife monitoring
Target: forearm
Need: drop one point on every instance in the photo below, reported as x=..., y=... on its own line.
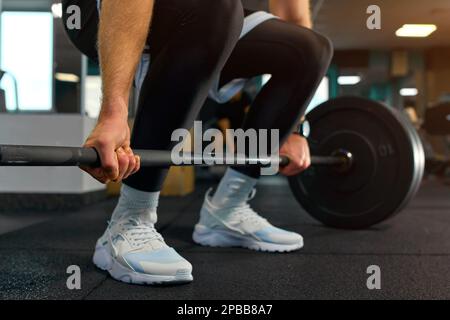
x=123, y=30
x=294, y=11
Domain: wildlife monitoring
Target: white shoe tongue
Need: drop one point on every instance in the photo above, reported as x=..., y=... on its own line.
x=235, y=197
x=148, y=217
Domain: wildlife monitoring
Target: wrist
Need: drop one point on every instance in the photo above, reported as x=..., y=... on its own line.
x=113, y=109
x=110, y=116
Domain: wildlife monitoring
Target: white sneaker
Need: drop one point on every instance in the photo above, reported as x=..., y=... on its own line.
x=240, y=226
x=134, y=252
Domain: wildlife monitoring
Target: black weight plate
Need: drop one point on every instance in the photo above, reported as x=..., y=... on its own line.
x=384, y=174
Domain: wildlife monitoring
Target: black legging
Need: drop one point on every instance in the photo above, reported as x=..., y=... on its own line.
x=191, y=41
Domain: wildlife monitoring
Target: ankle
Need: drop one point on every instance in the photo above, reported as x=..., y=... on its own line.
x=234, y=189
x=137, y=204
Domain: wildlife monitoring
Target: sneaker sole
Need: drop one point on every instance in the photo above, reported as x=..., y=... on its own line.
x=220, y=239
x=104, y=261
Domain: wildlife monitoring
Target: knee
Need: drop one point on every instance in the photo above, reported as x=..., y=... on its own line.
x=317, y=51
x=308, y=54
x=323, y=50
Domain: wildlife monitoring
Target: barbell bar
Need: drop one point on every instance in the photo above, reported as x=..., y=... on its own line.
x=37, y=156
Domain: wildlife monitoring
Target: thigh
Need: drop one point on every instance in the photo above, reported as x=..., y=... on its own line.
x=188, y=21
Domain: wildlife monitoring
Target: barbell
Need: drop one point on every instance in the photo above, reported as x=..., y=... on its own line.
x=43, y=156
x=367, y=162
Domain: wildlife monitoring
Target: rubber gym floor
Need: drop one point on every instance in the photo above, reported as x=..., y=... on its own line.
x=412, y=250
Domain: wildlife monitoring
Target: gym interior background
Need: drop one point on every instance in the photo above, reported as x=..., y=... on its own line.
x=50, y=217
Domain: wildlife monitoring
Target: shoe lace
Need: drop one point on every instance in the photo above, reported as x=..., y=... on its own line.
x=140, y=233
x=245, y=213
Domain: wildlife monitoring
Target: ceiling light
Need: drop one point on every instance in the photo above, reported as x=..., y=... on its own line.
x=409, y=92
x=416, y=30
x=67, y=77
x=349, y=80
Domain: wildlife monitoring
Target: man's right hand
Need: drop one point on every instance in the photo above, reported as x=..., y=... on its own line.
x=111, y=139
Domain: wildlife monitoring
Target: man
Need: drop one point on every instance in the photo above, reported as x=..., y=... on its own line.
x=195, y=47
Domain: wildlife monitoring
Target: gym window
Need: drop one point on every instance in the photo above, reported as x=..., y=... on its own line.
x=27, y=56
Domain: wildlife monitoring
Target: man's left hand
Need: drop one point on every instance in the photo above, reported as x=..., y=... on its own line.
x=296, y=148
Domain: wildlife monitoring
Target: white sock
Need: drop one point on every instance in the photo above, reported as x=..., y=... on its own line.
x=138, y=204
x=233, y=189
